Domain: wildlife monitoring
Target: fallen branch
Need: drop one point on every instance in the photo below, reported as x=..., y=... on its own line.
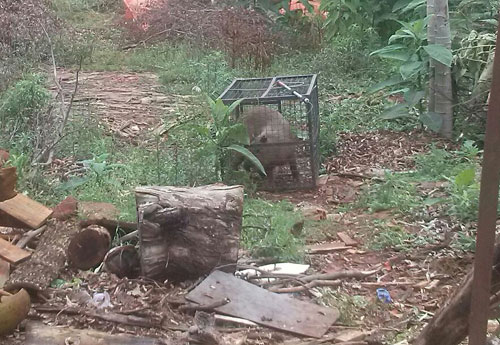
x=379, y=284
x=340, y=275
x=130, y=236
x=305, y=287
x=130, y=320
x=26, y=239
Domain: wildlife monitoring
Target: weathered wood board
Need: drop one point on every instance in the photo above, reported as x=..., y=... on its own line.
x=347, y=239
x=326, y=247
x=39, y=334
x=270, y=309
x=11, y=253
x=28, y=211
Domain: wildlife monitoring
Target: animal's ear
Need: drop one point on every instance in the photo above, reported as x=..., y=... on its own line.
x=263, y=139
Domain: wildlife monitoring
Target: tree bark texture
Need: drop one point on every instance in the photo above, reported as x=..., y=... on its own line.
x=431, y=39
x=480, y=93
x=187, y=232
x=450, y=324
x=441, y=88
x=47, y=261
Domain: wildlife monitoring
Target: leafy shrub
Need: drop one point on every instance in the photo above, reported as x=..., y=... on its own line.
x=394, y=193
x=20, y=106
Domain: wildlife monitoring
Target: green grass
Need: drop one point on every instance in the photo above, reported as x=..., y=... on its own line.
x=266, y=230
x=351, y=307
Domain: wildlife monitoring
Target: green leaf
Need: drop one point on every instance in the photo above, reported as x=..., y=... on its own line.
x=433, y=201
x=413, y=5
x=57, y=283
x=249, y=155
x=395, y=112
x=400, y=4
x=432, y=120
x=401, y=35
x=219, y=112
x=385, y=84
x=465, y=178
x=73, y=183
x=394, y=51
x=410, y=69
x=234, y=105
x=439, y=53
x=412, y=97
x=231, y=108
x=237, y=134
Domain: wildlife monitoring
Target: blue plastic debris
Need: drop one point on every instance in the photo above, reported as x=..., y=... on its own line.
x=383, y=295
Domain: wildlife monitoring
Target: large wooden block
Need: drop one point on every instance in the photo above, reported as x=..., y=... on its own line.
x=25, y=210
x=187, y=232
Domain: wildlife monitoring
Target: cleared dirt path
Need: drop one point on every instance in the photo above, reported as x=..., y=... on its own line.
x=129, y=104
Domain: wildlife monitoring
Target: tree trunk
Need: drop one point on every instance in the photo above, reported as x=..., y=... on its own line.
x=450, y=324
x=88, y=247
x=48, y=260
x=187, y=232
x=431, y=39
x=40, y=334
x=442, y=91
x=480, y=93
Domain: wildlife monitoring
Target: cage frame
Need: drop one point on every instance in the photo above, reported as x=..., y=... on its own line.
x=311, y=113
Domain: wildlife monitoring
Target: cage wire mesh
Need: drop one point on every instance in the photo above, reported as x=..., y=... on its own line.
x=283, y=128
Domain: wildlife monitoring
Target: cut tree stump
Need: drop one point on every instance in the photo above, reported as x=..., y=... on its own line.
x=185, y=233
x=39, y=334
x=450, y=324
x=88, y=247
x=48, y=260
x=8, y=181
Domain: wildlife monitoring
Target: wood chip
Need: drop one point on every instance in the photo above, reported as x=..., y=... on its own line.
x=351, y=335
x=347, y=239
x=326, y=247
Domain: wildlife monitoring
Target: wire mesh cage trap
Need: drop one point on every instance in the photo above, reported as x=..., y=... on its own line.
x=281, y=115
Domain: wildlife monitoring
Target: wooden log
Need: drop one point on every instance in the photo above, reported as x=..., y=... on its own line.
x=450, y=324
x=185, y=233
x=47, y=261
x=123, y=261
x=8, y=181
x=40, y=334
x=88, y=247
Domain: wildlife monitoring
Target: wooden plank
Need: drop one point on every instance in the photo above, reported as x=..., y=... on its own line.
x=11, y=253
x=26, y=210
x=39, y=334
x=326, y=247
x=347, y=239
x=266, y=308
